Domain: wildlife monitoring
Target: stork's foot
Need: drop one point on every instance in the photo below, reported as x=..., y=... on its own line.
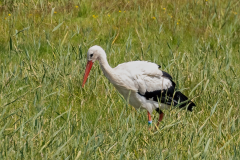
x=161, y=115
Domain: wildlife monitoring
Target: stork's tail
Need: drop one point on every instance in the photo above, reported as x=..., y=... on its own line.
x=182, y=98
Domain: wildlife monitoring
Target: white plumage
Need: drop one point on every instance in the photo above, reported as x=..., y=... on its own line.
x=140, y=82
x=140, y=76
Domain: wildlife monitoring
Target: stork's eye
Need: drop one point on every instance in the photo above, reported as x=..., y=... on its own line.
x=91, y=55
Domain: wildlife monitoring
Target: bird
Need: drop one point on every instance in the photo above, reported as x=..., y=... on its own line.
x=143, y=84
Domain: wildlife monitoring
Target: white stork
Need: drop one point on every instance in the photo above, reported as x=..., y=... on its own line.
x=140, y=82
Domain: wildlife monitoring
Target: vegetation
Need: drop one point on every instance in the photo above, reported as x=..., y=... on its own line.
x=46, y=114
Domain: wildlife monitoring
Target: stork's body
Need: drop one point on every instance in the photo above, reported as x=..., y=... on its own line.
x=141, y=83
x=134, y=79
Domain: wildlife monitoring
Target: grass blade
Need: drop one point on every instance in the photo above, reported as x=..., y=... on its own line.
x=58, y=26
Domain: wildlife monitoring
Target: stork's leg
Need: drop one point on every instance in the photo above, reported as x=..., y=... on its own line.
x=149, y=119
x=161, y=114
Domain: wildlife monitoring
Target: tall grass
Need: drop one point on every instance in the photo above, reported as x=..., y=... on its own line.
x=45, y=114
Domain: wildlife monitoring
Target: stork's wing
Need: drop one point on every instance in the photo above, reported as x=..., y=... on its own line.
x=157, y=88
x=162, y=89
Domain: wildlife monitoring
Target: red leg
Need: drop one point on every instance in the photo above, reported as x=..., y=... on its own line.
x=149, y=119
x=161, y=114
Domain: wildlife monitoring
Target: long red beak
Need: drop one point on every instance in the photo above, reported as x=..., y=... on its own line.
x=87, y=71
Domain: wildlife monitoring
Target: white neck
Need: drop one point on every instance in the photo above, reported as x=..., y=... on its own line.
x=107, y=70
x=111, y=75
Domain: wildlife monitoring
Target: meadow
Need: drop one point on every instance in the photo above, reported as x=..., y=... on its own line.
x=46, y=114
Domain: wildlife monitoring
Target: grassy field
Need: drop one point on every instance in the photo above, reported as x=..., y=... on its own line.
x=46, y=114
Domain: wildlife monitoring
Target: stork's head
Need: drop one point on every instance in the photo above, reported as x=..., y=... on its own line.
x=94, y=53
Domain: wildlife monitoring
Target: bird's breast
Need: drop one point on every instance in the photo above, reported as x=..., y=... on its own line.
x=129, y=96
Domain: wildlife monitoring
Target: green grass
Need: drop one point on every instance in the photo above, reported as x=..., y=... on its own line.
x=45, y=114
